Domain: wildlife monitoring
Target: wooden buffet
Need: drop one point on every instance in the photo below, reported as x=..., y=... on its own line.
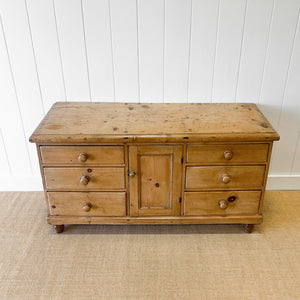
x=128, y=163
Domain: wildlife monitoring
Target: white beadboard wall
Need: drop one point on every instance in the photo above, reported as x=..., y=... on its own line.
x=147, y=51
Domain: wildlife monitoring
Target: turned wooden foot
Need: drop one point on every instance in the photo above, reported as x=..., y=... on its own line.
x=248, y=228
x=59, y=228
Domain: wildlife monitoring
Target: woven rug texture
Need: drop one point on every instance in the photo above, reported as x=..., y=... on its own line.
x=148, y=262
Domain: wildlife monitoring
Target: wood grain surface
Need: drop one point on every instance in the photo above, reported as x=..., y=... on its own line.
x=173, y=162
x=241, y=153
x=68, y=179
x=68, y=155
x=155, y=220
x=101, y=203
x=156, y=188
x=208, y=203
x=210, y=177
x=114, y=122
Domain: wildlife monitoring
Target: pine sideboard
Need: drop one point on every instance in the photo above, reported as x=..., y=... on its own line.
x=129, y=163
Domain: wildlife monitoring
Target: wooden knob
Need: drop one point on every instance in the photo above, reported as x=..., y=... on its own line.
x=226, y=178
x=84, y=180
x=132, y=174
x=228, y=154
x=87, y=206
x=223, y=204
x=82, y=157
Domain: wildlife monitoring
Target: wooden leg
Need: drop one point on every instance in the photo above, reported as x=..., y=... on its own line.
x=59, y=228
x=248, y=228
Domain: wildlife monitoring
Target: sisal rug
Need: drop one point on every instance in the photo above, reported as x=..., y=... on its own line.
x=148, y=262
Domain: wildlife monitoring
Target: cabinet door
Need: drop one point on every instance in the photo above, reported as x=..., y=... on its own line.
x=155, y=180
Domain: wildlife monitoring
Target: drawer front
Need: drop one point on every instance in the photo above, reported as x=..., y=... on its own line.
x=226, y=153
x=87, y=204
x=222, y=177
x=82, y=155
x=97, y=178
x=221, y=203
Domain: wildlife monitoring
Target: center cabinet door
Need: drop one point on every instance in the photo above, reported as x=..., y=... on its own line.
x=155, y=180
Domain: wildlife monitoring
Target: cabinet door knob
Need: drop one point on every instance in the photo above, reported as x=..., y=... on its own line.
x=223, y=204
x=84, y=180
x=226, y=178
x=132, y=174
x=228, y=154
x=82, y=157
x=87, y=206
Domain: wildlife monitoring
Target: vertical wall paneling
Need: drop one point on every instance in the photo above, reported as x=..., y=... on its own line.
x=12, y=132
x=203, y=44
x=256, y=34
x=147, y=51
x=282, y=33
x=23, y=64
x=73, y=51
x=45, y=42
x=151, y=16
x=4, y=165
x=289, y=121
x=125, y=49
x=229, y=44
x=99, y=51
x=177, y=45
x=296, y=158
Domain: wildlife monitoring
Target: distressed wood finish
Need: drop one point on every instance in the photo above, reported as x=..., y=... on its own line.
x=68, y=179
x=227, y=153
x=119, y=163
x=247, y=219
x=225, y=177
x=155, y=189
x=266, y=178
x=92, y=155
x=72, y=122
x=43, y=178
x=87, y=204
x=209, y=203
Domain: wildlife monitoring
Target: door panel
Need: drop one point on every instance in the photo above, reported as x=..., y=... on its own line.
x=155, y=185
x=155, y=188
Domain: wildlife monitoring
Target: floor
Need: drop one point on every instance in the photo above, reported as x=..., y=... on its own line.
x=148, y=262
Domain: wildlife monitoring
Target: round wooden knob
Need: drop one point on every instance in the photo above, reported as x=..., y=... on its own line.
x=87, y=206
x=223, y=204
x=84, y=180
x=82, y=157
x=226, y=178
x=132, y=174
x=228, y=154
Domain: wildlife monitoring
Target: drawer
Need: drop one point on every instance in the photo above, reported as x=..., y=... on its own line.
x=221, y=203
x=222, y=177
x=82, y=155
x=97, y=178
x=227, y=153
x=87, y=204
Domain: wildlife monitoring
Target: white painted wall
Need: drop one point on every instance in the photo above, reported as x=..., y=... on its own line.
x=147, y=51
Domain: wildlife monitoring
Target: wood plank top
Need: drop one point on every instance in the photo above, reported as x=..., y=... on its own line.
x=86, y=122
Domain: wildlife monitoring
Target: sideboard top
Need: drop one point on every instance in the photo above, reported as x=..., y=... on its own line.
x=85, y=122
